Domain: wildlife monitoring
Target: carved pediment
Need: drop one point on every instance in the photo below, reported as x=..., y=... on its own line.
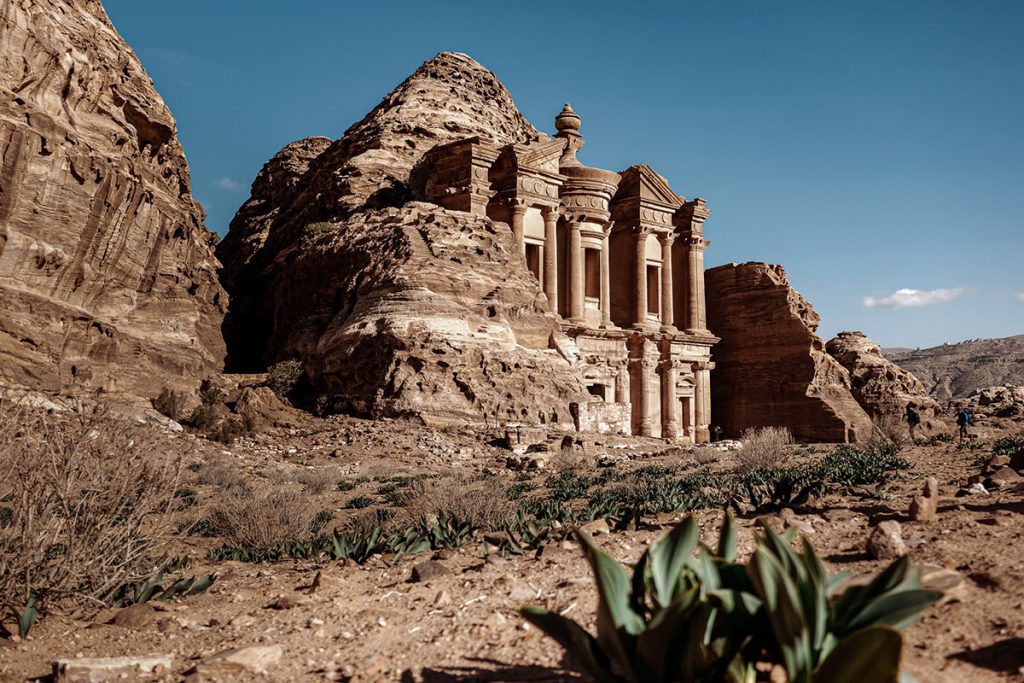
x=533, y=156
x=642, y=182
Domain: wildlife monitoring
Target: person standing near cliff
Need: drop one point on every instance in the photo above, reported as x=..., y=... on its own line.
x=913, y=420
x=963, y=421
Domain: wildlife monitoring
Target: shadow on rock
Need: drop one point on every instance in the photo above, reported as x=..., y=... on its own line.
x=1006, y=656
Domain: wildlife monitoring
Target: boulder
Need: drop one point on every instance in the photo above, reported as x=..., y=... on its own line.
x=256, y=659
x=107, y=275
x=882, y=388
x=771, y=368
x=429, y=570
x=886, y=541
x=398, y=307
x=101, y=669
x=924, y=508
x=1003, y=477
x=135, y=616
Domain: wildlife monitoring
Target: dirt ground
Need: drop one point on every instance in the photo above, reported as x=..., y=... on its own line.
x=341, y=621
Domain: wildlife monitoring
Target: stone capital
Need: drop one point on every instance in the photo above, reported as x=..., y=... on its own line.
x=667, y=238
x=550, y=212
x=517, y=205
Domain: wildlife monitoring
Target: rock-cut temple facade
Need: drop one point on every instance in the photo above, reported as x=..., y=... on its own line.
x=620, y=259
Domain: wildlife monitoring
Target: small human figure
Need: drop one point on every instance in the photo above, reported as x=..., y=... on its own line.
x=963, y=421
x=716, y=433
x=913, y=420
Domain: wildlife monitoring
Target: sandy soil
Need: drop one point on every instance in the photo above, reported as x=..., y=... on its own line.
x=370, y=622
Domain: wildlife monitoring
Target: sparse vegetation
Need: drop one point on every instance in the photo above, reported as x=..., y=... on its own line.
x=360, y=502
x=482, y=504
x=283, y=378
x=889, y=434
x=263, y=518
x=1008, y=445
x=687, y=616
x=170, y=403
x=764, y=448
x=90, y=504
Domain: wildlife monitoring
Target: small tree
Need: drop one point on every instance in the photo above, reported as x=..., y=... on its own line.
x=284, y=377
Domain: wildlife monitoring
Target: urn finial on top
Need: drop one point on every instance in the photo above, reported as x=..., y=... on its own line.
x=567, y=120
x=567, y=123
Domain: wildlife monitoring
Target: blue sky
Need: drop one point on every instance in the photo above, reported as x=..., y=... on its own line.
x=870, y=147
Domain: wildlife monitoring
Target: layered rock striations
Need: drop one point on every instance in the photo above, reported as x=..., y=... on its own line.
x=107, y=275
x=771, y=368
x=881, y=387
x=397, y=307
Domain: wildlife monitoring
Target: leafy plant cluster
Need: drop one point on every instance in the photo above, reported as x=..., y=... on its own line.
x=690, y=613
x=359, y=545
x=574, y=498
x=1008, y=445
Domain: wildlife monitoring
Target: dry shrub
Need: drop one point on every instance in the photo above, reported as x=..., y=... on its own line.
x=764, y=448
x=283, y=378
x=570, y=458
x=264, y=518
x=318, y=479
x=223, y=475
x=170, y=403
x=480, y=502
x=889, y=433
x=87, y=505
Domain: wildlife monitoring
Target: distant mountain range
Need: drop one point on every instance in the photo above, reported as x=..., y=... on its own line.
x=955, y=370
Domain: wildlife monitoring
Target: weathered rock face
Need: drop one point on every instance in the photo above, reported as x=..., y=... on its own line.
x=397, y=307
x=107, y=275
x=955, y=370
x=882, y=388
x=996, y=401
x=771, y=369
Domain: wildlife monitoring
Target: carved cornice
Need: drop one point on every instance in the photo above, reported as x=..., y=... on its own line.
x=691, y=215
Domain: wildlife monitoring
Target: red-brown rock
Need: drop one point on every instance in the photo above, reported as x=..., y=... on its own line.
x=881, y=387
x=107, y=275
x=397, y=307
x=771, y=369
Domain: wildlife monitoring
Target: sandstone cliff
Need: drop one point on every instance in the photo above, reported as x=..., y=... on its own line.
x=396, y=307
x=770, y=367
x=107, y=275
x=881, y=387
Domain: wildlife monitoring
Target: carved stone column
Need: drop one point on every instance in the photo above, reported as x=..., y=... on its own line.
x=551, y=256
x=693, y=298
x=518, y=210
x=640, y=280
x=643, y=407
x=667, y=310
x=669, y=409
x=622, y=384
x=689, y=218
x=576, y=285
x=606, y=288
x=702, y=315
x=701, y=402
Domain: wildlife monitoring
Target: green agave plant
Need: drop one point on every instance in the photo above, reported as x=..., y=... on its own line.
x=26, y=617
x=688, y=613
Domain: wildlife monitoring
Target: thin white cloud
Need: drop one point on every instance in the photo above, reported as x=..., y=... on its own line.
x=904, y=298
x=1019, y=296
x=230, y=185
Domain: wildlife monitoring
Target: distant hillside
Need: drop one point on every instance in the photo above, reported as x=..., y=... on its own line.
x=954, y=370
